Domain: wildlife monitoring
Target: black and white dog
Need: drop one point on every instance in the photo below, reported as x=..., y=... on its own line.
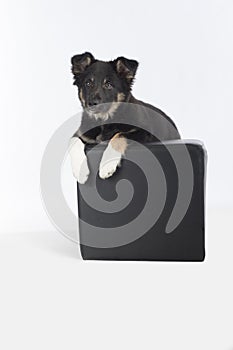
x=104, y=88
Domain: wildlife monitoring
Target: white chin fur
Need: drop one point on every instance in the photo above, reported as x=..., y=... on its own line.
x=105, y=115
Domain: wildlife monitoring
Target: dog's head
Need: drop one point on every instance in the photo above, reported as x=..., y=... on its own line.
x=102, y=85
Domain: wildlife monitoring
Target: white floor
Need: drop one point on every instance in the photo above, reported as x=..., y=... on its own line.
x=51, y=299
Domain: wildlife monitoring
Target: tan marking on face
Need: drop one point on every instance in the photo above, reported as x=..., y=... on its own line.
x=120, y=97
x=82, y=98
x=119, y=143
x=113, y=108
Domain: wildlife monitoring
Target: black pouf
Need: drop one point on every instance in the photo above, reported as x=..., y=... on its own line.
x=184, y=243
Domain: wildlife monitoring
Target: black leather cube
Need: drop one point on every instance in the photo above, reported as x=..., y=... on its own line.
x=186, y=242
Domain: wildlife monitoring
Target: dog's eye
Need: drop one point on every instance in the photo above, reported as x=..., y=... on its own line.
x=89, y=83
x=108, y=85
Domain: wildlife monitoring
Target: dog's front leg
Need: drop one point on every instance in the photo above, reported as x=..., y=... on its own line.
x=111, y=158
x=78, y=160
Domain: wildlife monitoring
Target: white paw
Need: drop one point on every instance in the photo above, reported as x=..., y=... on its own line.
x=80, y=170
x=110, y=161
x=108, y=169
x=78, y=160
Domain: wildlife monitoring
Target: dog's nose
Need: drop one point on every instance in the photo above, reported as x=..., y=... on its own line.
x=95, y=101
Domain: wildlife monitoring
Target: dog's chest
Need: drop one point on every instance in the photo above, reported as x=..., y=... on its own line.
x=98, y=134
x=104, y=132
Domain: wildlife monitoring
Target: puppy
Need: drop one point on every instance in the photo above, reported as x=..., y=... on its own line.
x=104, y=89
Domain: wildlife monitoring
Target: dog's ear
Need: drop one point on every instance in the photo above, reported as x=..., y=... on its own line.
x=126, y=68
x=81, y=62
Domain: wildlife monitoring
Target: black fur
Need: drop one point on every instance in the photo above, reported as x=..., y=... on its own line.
x=104, y=85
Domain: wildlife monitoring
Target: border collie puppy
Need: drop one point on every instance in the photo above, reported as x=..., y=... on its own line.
x=104, y=89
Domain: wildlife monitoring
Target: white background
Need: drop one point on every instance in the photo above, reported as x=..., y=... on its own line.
x=49, y=298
